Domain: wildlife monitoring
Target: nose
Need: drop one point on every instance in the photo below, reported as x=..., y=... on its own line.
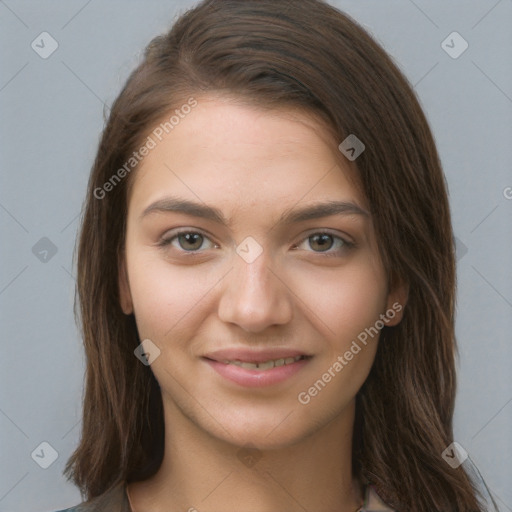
x=255, y=296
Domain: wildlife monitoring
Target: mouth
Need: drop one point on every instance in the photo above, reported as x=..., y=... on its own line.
x=263, y=365
x=251, y=369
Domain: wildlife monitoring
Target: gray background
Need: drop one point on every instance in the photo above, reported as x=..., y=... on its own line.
x=52, y=114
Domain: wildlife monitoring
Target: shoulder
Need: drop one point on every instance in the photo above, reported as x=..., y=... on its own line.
x=113, y=500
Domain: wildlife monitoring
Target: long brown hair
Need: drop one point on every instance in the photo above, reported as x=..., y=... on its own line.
x=302, y=54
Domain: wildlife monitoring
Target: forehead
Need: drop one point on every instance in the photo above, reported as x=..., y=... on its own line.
x=238, y=157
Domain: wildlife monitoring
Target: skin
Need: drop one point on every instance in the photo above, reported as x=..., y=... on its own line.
x=253, y=165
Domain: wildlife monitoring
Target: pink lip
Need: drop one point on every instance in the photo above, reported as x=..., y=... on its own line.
x=257, y=378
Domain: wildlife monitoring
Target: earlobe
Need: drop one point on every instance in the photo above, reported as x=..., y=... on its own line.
x=125, y=297
x=397, y=300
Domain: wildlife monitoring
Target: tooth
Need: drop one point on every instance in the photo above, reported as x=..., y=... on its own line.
x=289, y=360
x=279, y=362
x=266, y=365
x=237, y=363
x=249, y=366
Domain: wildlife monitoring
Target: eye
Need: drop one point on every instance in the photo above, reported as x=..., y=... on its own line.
x=322, y=243
x=186, y=241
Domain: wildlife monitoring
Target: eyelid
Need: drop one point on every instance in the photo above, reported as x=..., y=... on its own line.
x=326, y=231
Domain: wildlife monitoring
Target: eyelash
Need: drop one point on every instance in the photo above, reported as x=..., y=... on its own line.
x=346, y=244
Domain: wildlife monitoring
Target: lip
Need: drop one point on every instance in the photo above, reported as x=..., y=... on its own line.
x=255, y=378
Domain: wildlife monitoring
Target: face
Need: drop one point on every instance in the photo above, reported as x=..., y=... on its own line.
x=248, y=241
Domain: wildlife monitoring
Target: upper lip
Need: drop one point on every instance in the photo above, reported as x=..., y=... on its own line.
x=253, y=356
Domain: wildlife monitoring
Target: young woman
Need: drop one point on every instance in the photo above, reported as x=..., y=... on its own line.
x=266, y=278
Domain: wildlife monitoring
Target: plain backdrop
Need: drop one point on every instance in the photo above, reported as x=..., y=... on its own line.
x=51, y=117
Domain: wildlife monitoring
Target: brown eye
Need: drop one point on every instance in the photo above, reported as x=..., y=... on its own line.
x=321, y=242
x=327, y=244
x=190, y=241
x=186, y=241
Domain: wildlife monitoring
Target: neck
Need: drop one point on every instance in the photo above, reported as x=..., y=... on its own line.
x=206, y=474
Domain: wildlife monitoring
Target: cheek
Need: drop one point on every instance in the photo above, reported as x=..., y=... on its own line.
x=345, y=301
x=165, y=296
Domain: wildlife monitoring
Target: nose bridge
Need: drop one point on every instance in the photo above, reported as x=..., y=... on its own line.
x=253, y=297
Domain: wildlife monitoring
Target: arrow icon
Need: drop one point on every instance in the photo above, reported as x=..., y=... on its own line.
x=40, y=45
x=44, y=253
x=454, y=454
x=249, y=249
x=454, y=45
x=44, y=455
x=351, y=147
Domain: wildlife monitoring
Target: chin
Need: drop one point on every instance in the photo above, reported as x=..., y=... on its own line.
x=265, y=432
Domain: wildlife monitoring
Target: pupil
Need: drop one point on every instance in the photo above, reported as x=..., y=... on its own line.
x=189, y=237
x=322, y=241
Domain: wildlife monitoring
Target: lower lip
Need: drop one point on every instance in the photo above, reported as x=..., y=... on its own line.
x=257, y=378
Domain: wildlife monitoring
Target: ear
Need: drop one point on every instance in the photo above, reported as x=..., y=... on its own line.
x=396, y=301
x=125, y=296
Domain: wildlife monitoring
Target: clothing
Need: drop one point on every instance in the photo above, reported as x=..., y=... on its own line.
x=116, y=500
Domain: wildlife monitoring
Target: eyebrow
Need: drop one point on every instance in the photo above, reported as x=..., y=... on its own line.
x=290, y=216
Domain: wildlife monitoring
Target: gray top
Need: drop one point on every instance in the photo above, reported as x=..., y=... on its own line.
x=116, y=500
